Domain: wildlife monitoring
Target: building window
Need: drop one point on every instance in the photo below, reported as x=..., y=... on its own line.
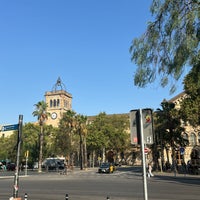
x=58, y=102
x=54, y=103
x=51, y=103
x=192, y=139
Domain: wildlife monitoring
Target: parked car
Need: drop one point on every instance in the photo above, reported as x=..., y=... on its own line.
x=53, y=164
x=10, y=166
x=106, y=168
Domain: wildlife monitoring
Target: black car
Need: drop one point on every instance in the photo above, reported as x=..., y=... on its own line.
x=53, y=164
x=106, y=168
x=10, y=166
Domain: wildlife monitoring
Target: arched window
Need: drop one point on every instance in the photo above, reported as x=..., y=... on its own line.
x=58, y=102
x=192, y=139
x=51, y=103
x=54, y=103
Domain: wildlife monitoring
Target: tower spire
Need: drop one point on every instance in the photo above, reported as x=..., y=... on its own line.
x=59, y=84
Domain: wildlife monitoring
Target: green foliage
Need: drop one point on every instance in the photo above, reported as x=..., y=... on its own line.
x=168, y=126
x=64, y=135
x=108, y=131
x=190, y=105
x=41, y=114
x=8, y=147
x=192, y=82
x=97, y=137
x=71, y=127
x=170, y=42
x=50, y=149
x=30, y=141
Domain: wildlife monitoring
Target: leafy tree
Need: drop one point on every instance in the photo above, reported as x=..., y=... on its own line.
x=97, y=139
x=190, y=105
x=109, y=132
x=50, y=148
x=118, y=137
x=169, y=129
x=71, y=126
x=170, y=42
x=8, y=147
x=80, y=129
x=30, y=142
x=41, y=114
x=30, y=135
x=64, y=137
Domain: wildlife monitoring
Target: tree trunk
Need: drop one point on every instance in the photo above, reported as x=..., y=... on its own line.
x=81, y=151
x=104, y=156
x=173, y=157
x=41, y=149
x=85, y=153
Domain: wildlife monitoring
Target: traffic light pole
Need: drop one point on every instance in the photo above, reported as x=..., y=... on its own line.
x=16, y=177
x=143, y=156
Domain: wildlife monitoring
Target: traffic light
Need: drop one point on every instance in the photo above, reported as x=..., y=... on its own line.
x=147, y=119
x=135, y=127
x=147, y=126
x=26, y=154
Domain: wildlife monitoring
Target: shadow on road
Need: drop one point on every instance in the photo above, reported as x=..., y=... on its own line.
x=165, y=176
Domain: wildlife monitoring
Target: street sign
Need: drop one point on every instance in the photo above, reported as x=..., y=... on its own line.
x=10, y=127
x=182, y=150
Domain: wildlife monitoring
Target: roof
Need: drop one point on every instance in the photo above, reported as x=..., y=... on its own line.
x=178, y=96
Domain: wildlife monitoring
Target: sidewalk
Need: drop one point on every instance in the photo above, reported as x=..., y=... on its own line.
x=176, y=175
x=76, y=170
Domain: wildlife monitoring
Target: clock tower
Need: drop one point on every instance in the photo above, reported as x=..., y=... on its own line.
x=58, y=101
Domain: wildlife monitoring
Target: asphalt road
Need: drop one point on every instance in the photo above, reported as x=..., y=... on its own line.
x=123, y=184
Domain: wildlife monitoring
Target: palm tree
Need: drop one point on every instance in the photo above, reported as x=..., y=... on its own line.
x=73, y=124
x=41, y=114
x=65, y=137
x=81, y=130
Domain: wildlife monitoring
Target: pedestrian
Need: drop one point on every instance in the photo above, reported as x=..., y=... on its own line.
x=149, y=170
x=64, y=172
x=111, y=168
x=65, y=168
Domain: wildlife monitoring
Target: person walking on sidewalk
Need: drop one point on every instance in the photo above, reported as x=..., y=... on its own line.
x=149, y=174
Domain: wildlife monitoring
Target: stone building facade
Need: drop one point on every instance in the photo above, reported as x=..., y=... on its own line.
x=192, y=134
x=58, y=101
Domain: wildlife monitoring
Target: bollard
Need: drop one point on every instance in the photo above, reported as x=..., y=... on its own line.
x=66, y=197
x=25, y=196
x=108, y=198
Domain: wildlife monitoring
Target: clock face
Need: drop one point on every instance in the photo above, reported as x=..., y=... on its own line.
x=53, y=115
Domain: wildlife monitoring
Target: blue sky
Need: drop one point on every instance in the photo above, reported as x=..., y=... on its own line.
x=85, y=43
